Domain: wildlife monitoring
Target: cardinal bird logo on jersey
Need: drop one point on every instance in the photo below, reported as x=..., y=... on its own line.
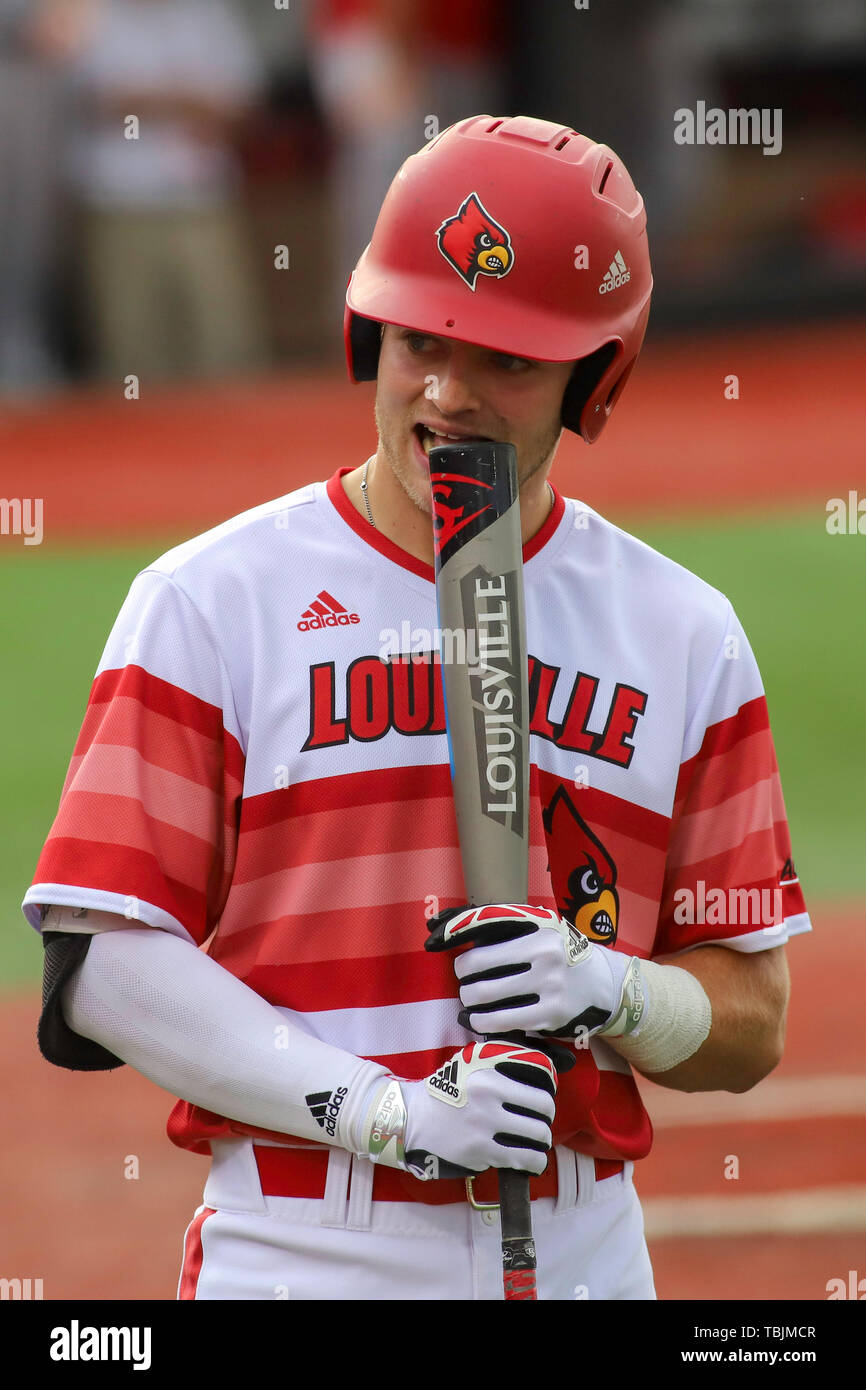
x=581, y=871
x=474, y=244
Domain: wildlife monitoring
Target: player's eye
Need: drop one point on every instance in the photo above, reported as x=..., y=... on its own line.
x=512, y=364
x=417, y=341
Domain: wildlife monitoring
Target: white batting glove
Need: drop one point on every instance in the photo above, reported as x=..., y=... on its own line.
x=490, y=1106
x=529, y=970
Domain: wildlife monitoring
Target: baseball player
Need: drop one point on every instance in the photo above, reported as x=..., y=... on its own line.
x=252, y=891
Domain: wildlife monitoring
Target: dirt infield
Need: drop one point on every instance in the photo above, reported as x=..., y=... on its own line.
x=72, y=1217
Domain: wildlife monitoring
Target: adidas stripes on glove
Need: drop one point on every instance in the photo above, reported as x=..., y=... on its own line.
x=490, y=1106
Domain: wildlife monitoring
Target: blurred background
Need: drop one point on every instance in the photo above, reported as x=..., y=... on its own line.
x=185, y=186
x=263, y=124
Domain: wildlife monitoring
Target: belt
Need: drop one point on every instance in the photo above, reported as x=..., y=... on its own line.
x=302, y=1173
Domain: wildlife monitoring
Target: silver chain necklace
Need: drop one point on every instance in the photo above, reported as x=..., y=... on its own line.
x=366, y=495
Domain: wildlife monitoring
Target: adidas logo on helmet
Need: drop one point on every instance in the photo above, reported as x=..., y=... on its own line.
x=618, y=274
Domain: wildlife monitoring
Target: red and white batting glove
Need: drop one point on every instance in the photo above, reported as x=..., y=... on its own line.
x=490, y=1106
x=529, y=970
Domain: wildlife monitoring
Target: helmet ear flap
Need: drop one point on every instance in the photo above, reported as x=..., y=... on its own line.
x=598, y=381
x=364, y=337
x=583, y=384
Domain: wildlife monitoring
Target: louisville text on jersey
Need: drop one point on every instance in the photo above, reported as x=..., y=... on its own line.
x=406, y=696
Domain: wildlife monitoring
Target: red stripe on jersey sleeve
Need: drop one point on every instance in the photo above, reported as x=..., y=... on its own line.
x=148, y=808
x=137, y=877
x=108, y=720
x=729, y=837
x=727, y=825
x=718, y=778
x=751, y=718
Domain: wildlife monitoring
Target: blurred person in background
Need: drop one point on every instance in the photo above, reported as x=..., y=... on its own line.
x=37, y=37
x=389, y=74
x=166, y=283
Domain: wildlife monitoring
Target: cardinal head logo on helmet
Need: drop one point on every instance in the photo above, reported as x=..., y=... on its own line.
x=474, y=243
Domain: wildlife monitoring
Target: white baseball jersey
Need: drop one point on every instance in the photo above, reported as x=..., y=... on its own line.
x=258, y=768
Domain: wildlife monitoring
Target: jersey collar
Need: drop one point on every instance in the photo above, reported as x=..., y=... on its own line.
x=361, y=526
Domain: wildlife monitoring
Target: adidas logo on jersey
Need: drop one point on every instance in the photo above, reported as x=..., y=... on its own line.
x=618, y=274
x=325, y=1108
x=445, y=1082
x=325, y=611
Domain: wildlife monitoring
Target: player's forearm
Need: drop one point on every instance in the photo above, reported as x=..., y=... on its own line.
x=748, y=995
x=191, y=1027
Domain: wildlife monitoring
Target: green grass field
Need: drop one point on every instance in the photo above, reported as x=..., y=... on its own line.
x=798, y=592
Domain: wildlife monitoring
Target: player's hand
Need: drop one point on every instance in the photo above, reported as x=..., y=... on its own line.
x=490, y=1106
x=528, y=969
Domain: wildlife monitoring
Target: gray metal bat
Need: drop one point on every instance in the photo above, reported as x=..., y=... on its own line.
x=479, y=591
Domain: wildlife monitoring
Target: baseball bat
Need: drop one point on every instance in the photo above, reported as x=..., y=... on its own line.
x=479, y=593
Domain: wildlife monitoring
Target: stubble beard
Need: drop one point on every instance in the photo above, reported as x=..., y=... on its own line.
x=534, y=456
x=391, y=445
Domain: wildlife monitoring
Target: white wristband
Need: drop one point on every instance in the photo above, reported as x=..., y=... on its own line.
x=676, y=1019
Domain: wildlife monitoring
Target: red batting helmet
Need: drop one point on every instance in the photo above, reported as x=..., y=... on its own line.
x=517, y=235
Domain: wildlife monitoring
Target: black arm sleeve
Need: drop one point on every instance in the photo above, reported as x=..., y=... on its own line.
x=64, y=952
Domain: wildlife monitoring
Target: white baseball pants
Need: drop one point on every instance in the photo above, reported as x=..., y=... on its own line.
x=345, y=1246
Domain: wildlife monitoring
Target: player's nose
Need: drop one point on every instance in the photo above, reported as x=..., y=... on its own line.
x=455, y=390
